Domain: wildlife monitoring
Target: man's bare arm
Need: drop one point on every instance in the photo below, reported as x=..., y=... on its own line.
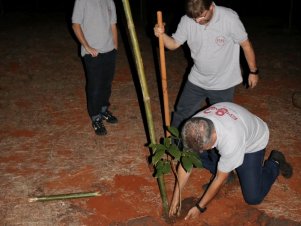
x=251, y=60
x=213, y=189
x=115, y=35
x=182, y=177
x=169, y=42
x=81, y=38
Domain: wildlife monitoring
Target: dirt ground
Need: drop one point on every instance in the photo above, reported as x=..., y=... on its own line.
x=47, y=144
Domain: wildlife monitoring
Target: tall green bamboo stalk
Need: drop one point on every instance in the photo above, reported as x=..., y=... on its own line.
x=146, y=98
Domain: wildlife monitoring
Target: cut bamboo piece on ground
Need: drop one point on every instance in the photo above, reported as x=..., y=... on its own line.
x=64, y=196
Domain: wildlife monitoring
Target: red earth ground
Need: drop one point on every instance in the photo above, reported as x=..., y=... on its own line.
x=48, y=145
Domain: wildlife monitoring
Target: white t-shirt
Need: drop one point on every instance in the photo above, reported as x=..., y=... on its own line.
x=96, y=18
x=238, y=132
x=214, y=49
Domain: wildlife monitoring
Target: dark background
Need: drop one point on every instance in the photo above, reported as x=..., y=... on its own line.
x=174, y=8
x=251, y=7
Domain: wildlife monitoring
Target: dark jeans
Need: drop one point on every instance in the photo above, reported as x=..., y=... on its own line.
x=255, y=177
x=191, y=99
x=99, y=76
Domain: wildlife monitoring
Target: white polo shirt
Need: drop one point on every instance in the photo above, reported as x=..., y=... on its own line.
x=214, y=48
x=238, y=132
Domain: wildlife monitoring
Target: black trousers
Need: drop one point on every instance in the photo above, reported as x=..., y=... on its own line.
x=256, y=178
x=100, y=72
x=191, y=99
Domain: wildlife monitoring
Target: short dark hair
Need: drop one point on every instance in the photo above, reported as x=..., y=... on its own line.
x=196, y=133
x=194, y=8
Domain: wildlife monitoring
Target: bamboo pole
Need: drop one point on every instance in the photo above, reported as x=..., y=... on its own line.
x=64, y=196
x=146, y=98
x=163, y=76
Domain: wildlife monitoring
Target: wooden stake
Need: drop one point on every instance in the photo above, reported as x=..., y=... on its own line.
x=163, y=76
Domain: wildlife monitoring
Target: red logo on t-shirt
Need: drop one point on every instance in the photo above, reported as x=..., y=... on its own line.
x=220, y=40
x=220, y=112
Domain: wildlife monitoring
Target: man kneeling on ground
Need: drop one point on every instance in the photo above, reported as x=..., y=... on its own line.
x=240, y=138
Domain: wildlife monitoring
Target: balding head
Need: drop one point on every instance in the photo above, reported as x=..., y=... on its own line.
x=197, y=133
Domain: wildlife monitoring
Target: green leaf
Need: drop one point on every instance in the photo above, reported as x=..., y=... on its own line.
x=163, y=167
x=194, y=158
x=167, y=142
x=160, y=164
x=187, y=163
x=152, y=145
x=196, y=162
x=157, y=147
x=159, y=168
x=157, y=156
x=161, y=147
x=174, y=131
x=166, y=168
x=158, y=173
x=174, y=152
x=191, y=153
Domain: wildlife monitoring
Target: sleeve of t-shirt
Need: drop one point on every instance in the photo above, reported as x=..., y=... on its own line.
x=180, y=36
x=232, y=159
x=238, y=31
x=78, y=11
x=113, y=12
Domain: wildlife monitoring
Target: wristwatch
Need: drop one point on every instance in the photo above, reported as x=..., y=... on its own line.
x=202, y=210
x=256, y=72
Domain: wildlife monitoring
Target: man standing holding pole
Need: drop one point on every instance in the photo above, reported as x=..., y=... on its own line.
x=214, y=35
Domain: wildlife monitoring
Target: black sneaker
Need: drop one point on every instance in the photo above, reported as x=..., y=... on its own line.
x=109, y=117
x=285, y=168
x=99, y=127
